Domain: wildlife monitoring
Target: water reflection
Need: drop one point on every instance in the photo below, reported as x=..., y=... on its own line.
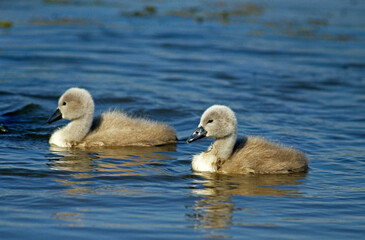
x=82, y=165
x=214, y=208
x=69, y=219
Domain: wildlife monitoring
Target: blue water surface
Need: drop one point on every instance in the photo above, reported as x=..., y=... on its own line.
x=293, y=71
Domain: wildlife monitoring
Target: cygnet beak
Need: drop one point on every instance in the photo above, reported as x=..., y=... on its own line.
x=3, y=128
x=198, y=134
x=55, y=117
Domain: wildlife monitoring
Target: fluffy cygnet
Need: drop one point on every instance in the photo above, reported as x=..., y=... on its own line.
x=112, y=128
x=249, y=155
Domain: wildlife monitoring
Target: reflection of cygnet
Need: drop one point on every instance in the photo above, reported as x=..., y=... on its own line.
x=250, y=155
x=112, y=128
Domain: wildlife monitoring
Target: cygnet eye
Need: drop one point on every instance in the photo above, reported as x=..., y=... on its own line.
x=210, y=121
x=64, y=103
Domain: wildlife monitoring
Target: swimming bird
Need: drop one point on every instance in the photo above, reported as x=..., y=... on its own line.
x=112, y=128
x=250, y=155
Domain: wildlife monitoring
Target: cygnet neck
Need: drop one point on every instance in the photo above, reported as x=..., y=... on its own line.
x=79, y=128
x=223, y=147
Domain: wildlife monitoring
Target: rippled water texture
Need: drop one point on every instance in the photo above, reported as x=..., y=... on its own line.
x=293, y=71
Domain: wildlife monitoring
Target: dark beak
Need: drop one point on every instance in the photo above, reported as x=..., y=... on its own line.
x=198, y=134
x=55, y=117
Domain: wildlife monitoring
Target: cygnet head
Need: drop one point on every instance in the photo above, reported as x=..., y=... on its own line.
x=218, y=121
x=75, y=103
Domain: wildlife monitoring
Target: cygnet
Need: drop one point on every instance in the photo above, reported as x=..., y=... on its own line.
x=112, y=128
x=250, y=155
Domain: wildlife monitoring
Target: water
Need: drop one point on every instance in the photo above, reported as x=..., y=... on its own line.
x=292, y=71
